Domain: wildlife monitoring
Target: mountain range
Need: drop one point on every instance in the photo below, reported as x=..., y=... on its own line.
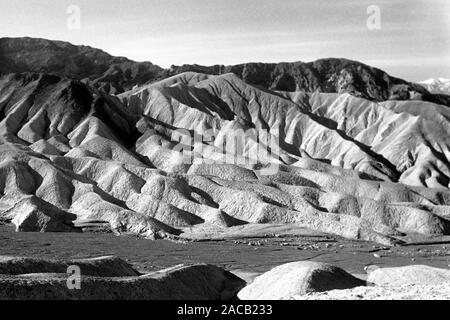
x=118, y=74
x=89, y=140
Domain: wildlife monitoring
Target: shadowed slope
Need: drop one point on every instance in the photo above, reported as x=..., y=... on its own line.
x=96, y=159
x=113, y=74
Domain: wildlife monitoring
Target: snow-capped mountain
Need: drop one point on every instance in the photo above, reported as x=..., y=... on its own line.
x=438, y=85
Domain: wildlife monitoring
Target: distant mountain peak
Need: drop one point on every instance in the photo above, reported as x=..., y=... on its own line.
x=437, y=85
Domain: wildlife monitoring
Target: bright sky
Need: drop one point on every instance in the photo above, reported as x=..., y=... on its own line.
x=413, y=42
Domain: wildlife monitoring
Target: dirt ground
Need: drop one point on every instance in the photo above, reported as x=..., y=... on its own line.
x=405, y=292
x=251, y=250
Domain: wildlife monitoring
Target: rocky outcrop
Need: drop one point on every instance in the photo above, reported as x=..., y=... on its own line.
x=95, y=267
x=31, y=214
x=113, y=279
x=414, y=282
x=409, y=275
x=112, y=74
x=298, y=278
x=324, y=75
x=73, y=155
x=110, y=278
x=396, y=293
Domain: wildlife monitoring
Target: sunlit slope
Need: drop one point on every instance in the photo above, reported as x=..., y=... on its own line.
x=72, y=156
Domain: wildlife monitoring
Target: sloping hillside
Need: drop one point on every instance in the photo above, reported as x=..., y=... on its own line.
x=113, y=74
x=72, y=157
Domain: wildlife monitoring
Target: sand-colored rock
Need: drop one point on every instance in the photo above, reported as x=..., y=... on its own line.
x=298, y=278
x=344, y=165
x=409, y=275
x=35, y=215
x=196, y=282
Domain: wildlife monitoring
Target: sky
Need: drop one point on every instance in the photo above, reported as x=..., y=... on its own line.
x=412, y=41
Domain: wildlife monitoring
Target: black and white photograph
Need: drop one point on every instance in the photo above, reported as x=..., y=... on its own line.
x=250, y=152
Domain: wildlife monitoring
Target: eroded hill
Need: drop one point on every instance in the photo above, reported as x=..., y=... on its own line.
x=73, y=157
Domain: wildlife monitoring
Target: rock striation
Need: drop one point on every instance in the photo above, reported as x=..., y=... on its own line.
x=298, y=278
x=343, y=159
x=110, y=278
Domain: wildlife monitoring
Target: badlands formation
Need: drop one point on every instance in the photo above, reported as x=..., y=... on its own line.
x=110, y=278
x=93, y=142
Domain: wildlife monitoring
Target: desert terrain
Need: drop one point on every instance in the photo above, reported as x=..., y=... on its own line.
x=244, y=167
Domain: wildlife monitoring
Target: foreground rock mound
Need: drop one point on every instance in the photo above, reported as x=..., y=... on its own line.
x=298, y=278
x=409, y=275
x=112, y=279
x=97, y=267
